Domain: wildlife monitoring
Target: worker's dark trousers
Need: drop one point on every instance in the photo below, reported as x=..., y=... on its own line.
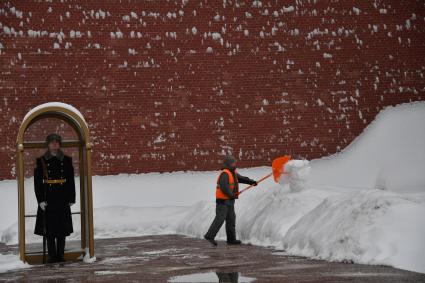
x=223, y=213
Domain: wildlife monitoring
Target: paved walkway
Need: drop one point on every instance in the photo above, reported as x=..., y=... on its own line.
x=183, y=259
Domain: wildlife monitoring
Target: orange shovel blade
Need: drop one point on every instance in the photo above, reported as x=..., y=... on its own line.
x=278, y=166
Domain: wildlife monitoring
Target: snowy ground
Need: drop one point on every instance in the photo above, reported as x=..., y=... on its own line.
x=366, y=204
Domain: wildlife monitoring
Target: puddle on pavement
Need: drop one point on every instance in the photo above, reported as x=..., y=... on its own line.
x=111, y=272
x=233, y=277
x=365, y=274
x=123, y=259
x=162, y=252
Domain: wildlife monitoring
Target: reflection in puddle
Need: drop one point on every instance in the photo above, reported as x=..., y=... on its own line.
x=233, y=277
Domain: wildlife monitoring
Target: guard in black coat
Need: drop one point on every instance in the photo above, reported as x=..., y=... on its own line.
x=55, y=191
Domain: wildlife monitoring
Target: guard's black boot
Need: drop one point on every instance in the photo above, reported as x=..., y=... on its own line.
x=234, y=242
x=51, y=248
x=60, y=249
x=212, y=241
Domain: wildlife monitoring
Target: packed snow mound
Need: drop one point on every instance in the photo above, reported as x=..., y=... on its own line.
x=11, y=262
x=297, y=172
x=263, y=216
x=388, y=155
x=370, y=227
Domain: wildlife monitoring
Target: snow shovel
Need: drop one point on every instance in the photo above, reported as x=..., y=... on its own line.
x=278, y=167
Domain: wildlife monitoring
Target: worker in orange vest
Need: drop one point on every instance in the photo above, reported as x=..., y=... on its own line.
x=227, y=191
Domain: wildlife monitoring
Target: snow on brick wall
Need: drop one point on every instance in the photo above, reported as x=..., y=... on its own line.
x=173, y=85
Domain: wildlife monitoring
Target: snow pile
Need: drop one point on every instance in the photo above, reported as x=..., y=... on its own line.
x=371, y=227
x=264, y=218
x=297, y=174
x=389, y=154
x=87, y=258
x=137, y=221
x=11, y=262
x=366, y=204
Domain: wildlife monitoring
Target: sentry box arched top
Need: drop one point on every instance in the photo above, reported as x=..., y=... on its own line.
x=70, y=115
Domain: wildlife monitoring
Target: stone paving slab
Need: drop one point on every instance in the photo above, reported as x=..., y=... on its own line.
x=183, y=259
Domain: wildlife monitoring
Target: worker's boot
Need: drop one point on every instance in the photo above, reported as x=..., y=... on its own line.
x=212, y=241
x=234, y=242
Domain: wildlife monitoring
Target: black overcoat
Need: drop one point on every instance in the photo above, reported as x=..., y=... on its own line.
x=58, y=196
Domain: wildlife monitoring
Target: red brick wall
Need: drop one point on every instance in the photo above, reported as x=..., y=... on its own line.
x=295, y=77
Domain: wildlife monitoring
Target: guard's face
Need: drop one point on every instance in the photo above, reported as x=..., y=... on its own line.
x=233, y=165
x=54, y=145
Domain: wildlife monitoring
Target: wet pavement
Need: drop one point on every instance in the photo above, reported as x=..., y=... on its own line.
x=175, y=258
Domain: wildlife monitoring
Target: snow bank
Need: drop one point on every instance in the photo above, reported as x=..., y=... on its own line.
x=389, y=154
x=124, y=205
x=11, y=262
x=129, y=221
x=364, y=205
x=370, y=227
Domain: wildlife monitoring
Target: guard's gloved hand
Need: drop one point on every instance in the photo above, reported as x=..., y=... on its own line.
x=43, y=205
x=71, y=203
x=254, y=183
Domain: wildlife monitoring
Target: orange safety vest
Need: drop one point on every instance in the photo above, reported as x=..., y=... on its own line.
x=233, y=185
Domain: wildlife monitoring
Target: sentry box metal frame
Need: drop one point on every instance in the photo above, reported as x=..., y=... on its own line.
x=72, y=117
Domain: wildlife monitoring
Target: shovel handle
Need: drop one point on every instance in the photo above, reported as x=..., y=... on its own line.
x=259, y=181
